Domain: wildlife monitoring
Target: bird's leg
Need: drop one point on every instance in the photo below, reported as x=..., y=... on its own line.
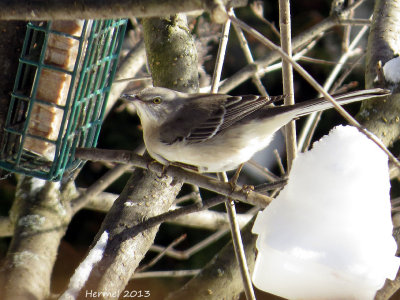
x=232, y=182
x=163, y=171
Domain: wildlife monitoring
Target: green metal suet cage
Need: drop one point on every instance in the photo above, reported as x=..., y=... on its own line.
x=64, y=76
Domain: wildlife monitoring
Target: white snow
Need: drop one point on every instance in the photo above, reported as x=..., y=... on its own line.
x=82, y=273
x=328, y=235
x=391, y=70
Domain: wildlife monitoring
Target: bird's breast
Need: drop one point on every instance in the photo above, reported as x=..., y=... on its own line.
x=223, y=152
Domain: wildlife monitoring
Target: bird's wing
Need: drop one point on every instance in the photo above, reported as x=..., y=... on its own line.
x=202, y=120
x=197, y=120
x=239, y=107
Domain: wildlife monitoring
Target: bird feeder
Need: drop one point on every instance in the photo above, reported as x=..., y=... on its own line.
x=64, y=76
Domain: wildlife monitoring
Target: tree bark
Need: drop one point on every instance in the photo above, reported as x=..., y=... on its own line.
x=103, y=9
x=146, y=194
x=40, y=216
x=169, y=33
x=382, y=117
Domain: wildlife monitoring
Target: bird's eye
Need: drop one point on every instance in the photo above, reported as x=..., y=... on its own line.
x=157, y=100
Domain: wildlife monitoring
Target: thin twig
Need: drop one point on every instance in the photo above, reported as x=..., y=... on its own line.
x=347, y=30
x=238, y=246
x=130, y=66
x=263, y=170
x=186, y=254
x=197, y=196
x=184, y=216
x=249, y=58
x=338, y=86
x=354, y=5
x=100, y=185
x=186, y=197
x=324, y=61
x=258, y=9
x=209, y=219
x=356, y=22
x=298, y=42
x=316, y=86
x=279, y=161
x=220, y=56
x=229, y=203
x=312, y=119
x=287, y=79
x=262, y=68
x=158, y=274
x=162, y=253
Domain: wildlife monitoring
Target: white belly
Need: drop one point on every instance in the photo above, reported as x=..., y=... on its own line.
x=227, y=152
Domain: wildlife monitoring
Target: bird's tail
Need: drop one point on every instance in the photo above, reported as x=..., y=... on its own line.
x=319, y=104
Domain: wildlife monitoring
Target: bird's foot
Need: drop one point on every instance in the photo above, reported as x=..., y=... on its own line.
x=163, y=171
x=247, y=189
x=233, y=181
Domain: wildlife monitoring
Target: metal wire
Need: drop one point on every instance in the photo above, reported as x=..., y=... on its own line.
x=82, y=113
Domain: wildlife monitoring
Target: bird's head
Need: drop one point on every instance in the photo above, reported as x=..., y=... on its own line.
x=156, y=104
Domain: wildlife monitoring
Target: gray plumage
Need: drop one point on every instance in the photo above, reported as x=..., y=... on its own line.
x=218, y=132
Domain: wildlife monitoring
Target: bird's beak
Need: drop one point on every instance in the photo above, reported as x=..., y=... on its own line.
x=130, y=97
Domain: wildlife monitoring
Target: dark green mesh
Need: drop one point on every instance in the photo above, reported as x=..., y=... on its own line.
x=81, y=113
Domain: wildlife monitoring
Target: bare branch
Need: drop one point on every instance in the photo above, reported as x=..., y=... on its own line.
x=382, y=118
x=209, y=219
x=99, y=186
x=319, y=88
x=95, y=9
x=162, y=253
x=205, y=182
x=312, y=120
x=170, y=33
x=130, y=66
x=145, y=195
x=222, y=271
x=179, y=273
x=298, y=42
x=186, y=254
x=229, y=203
x=39, y=217
x=287, y=78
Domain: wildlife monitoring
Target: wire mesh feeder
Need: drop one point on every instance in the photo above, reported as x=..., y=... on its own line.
x=63, y=80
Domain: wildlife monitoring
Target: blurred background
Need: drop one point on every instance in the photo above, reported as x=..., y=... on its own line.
x=121, y=130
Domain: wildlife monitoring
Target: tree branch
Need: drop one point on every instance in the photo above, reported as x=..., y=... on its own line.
x=298, y=43
x=129, y=157
x=382, y=117
x=40, y=216
x=145, y=195
x=287, y=79
x=220, y=279
x=103, y=9
x=170, y=33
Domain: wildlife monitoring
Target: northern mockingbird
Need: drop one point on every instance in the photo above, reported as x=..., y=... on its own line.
x=218, y=132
